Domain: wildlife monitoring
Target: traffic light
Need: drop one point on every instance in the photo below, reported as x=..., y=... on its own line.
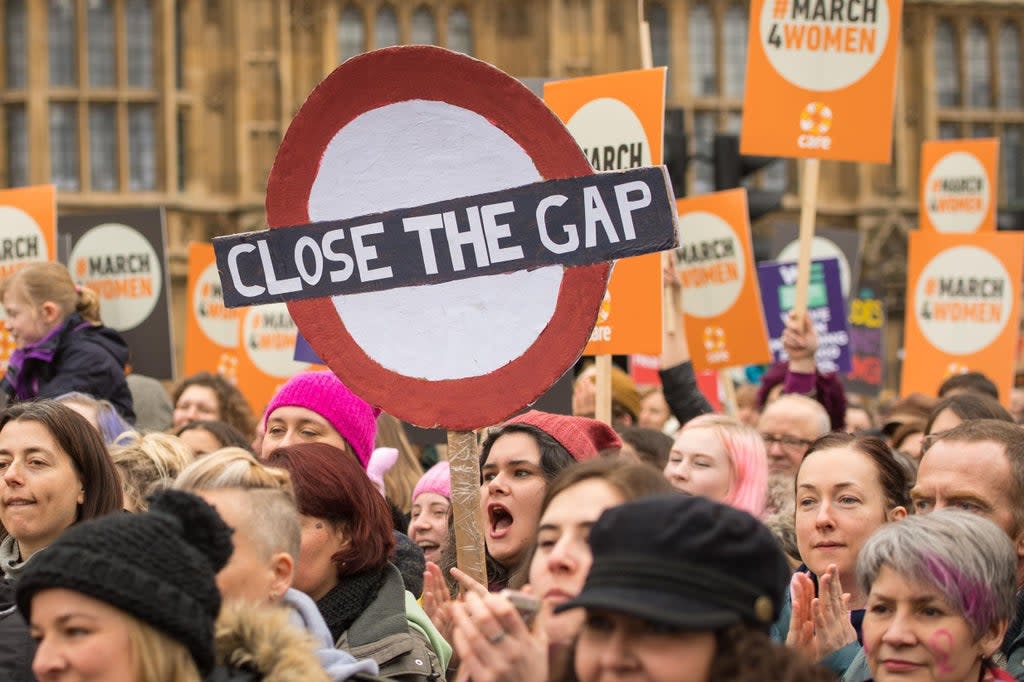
x=674, y=151
x=732, y=168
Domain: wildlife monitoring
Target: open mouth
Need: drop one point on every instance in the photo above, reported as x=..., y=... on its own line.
x=428, y=546
x=500, y=519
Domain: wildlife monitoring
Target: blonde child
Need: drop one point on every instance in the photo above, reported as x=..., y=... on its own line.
x=60, y=344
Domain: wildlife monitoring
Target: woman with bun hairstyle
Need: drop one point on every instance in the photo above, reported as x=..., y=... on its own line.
x=134, y=597
x=60, y=343
x=722, y=459
x=344, y=564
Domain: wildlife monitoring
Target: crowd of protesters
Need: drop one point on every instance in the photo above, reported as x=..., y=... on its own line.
x=810, y=535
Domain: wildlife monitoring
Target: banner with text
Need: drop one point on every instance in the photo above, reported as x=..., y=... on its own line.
x=29, y=219
x=963, y=299
x=725, y=324
x=122, y=256
x=821, y=79
x=959, y=181
x=212, y=329
x=867, y=339
x=825, y=306
x=618, y=120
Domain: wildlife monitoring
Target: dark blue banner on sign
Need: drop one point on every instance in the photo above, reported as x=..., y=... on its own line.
x=570, y=222
x=825, y=306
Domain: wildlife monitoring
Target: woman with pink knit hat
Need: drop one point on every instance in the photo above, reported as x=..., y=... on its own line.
x=431, y=500
x=315, y=407
x=722, y=459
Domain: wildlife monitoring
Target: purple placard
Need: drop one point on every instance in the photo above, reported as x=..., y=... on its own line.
x=825, y=305
x=304, y=352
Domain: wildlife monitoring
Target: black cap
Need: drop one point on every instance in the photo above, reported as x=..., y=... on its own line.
x=160, y=566
x=685, y=561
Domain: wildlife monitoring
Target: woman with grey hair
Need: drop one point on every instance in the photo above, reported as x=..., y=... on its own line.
x=940, y=596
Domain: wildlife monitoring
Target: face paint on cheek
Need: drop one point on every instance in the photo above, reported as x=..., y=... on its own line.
x=941, y=643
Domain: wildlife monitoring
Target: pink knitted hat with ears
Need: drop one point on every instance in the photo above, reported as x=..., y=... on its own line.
x=438, y=479
x=323, y=393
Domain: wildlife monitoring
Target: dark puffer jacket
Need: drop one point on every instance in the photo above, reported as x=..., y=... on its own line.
x=85, y=358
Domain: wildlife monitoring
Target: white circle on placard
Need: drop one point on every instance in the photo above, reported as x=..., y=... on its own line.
x=823, y=54
x=22, y=240
x=611, y=135
x=219, y=323
x=956, y=193
x=710, y=264
x=821, y=248
x=122, y=267
x=963, y=300
x=356, y=178
x=268, y=335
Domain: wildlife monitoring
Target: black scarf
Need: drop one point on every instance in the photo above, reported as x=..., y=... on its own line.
x=349, y=598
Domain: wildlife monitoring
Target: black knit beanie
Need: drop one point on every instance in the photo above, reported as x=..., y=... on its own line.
x=159, y=566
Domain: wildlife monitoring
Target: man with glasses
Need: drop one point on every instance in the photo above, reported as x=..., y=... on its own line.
x=788, y=426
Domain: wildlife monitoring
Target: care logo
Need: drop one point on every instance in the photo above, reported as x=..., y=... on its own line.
x=845, y=38
x=957, y=193
x=954, y=368
x=611, y=135
x=963, y=285
x=603, y=330
x=710, y=263
x=815, y=123
x=715, y=346
x=21, y=242
x=268, y=334
x=219, y=323
x=122, y=267
x=227, y=366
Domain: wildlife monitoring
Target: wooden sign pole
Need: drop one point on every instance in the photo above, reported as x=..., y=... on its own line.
x=731, y=407
x=603, y=389
x=808, y=208
x=463, y=455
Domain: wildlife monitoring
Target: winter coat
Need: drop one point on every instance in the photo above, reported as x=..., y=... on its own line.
x=339, y=664
x=383, y=632
x=684, y=399
x=16, y=646
x=81, y=357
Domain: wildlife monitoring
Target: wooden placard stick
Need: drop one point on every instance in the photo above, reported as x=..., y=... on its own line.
x=603, y=388
x=731, y=407
x=668, y=293
x=808, y=208
x=463, y=456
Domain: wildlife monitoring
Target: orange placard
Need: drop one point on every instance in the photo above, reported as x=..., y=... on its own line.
x=963, y=299
x=821, y=79
x=29, y=219
x=958, y=185
x=724, y=319
x=212, y=330
x=618, y=120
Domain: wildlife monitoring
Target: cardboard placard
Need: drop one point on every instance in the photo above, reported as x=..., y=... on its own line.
x=825, y=306
x=959, y=185
x=963, y=306
x=29, y=219
x=618, y=120
x=821, y=79
x=867, y=340
x=212, y=331
x=724, y=319
x=122, y=255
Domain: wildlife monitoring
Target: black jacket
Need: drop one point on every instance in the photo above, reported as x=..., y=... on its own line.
x=16, y=646
x=88, y=359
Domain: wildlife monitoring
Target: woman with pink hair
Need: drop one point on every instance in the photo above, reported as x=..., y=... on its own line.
x=722, y=459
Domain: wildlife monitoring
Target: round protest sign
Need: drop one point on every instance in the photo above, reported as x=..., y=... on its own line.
x=961, y=286
x=711, y=265
x=408, y=126
x=23, y=240
x=123, y=268
x=218, y=322
x=957, y=193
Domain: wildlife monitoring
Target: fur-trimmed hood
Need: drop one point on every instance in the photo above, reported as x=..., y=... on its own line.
x=260, y=640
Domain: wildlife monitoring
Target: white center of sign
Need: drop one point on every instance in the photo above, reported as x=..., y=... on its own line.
x=444, y=331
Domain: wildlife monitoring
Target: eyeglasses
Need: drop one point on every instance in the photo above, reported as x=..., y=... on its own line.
x=787, y=443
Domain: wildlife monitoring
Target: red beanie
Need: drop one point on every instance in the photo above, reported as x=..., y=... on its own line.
x=583, y=438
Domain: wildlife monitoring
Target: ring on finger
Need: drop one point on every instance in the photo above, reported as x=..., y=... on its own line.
x=497, y=638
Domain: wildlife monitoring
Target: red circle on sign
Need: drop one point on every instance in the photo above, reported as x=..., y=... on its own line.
x=399, y=74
